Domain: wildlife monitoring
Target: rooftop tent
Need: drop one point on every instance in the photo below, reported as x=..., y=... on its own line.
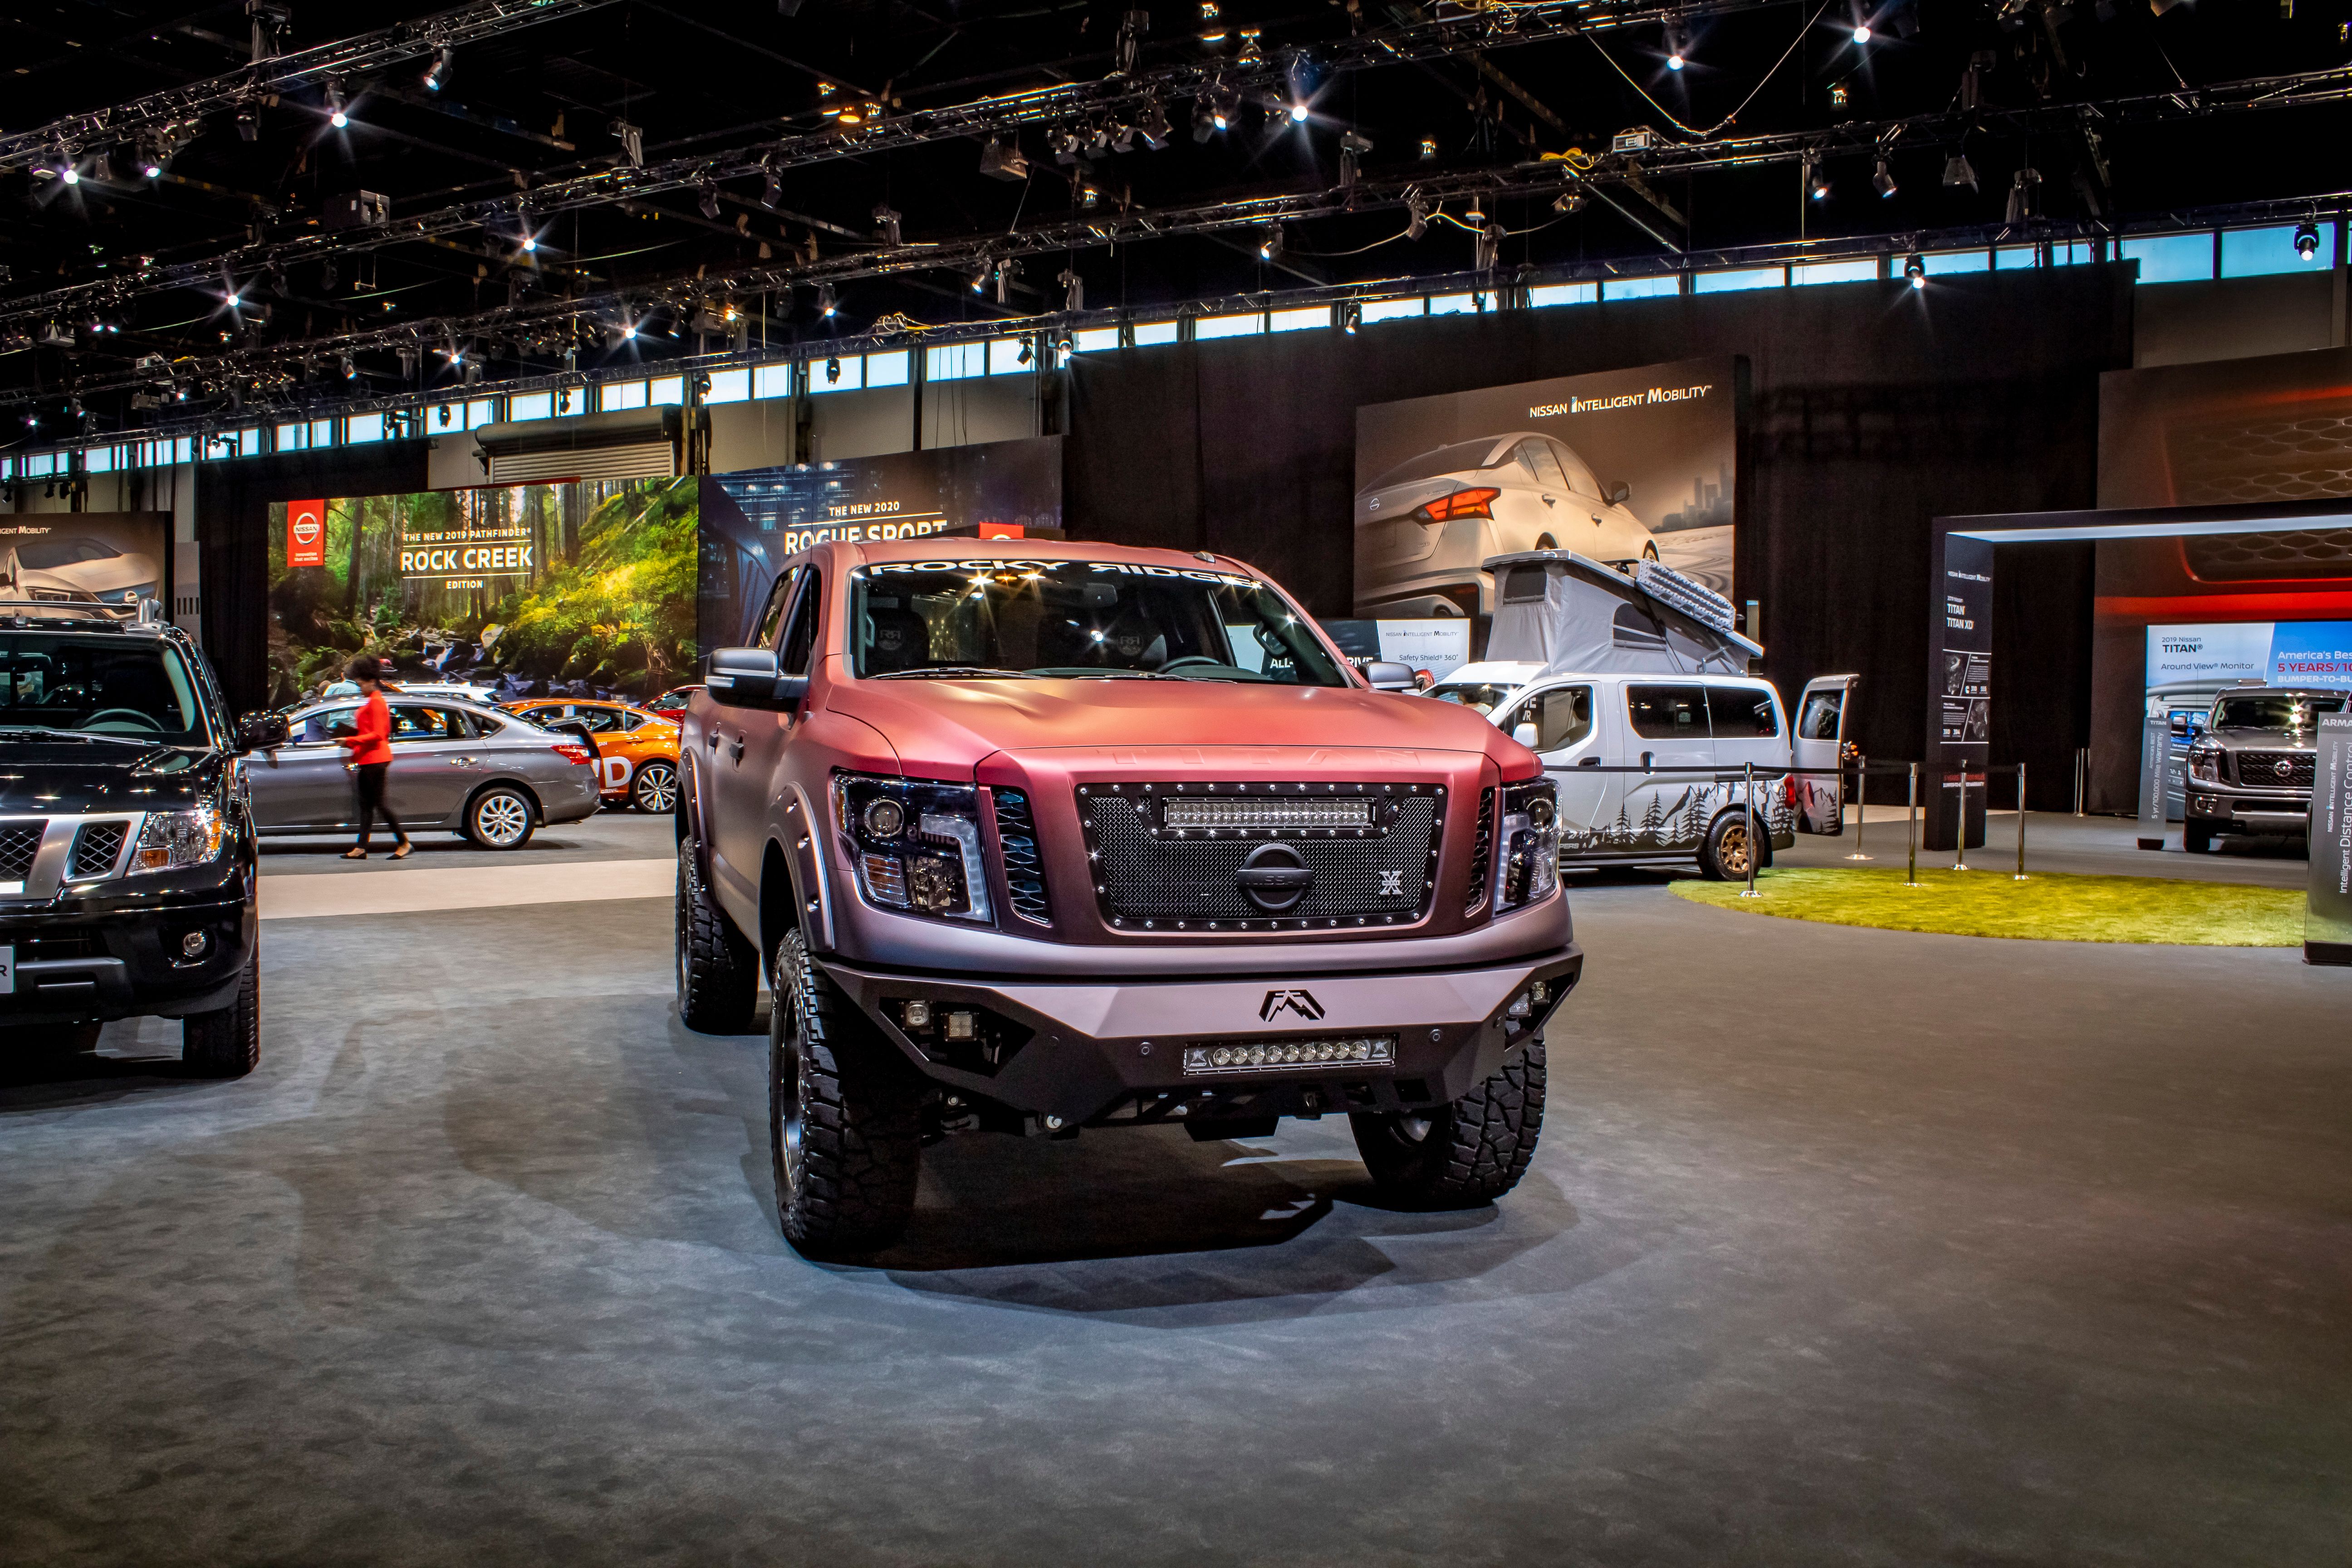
x=1574, y=616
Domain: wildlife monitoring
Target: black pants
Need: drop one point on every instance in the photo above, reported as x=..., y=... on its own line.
x=368, y=777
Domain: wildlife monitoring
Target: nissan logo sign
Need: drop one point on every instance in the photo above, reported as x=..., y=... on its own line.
x=2285, y=767
x=1275, y=878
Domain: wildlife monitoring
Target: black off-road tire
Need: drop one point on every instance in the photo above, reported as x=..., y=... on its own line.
x=227, y=1043
x=844, y=1116
x=717, y=970
x=1722, y=854
x=1462, y=1155
x=2196, y=838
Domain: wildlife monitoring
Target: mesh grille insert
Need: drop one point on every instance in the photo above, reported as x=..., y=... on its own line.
x=19, y=842
x=1024, y=865
x=2261, y=769
x=96, y=849
x=1482, y=851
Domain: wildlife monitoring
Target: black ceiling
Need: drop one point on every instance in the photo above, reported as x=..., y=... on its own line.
x=523, y=128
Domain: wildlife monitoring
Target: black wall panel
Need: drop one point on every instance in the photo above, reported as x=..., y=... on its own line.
x=1873, y=408
x=232, y=528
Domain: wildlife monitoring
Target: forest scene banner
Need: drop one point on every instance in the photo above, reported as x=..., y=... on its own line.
x=584, y=588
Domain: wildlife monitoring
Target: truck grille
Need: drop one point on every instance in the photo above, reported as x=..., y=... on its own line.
x=97, y=848
x=19, y=843
x=2260, y=770
x=1024, y=868
x=1237, y=857
x=1482, y=852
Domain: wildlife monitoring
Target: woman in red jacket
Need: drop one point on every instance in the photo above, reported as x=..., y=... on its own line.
x=371, y=745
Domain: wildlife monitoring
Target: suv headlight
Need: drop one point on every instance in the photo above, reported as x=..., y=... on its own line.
x=2205, y=763
x=1528, y=869
x=916, y=845
x=172, y=839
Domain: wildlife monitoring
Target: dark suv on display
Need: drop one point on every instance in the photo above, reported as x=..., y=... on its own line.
x=1035, y=837
x=127, y=862
x=2250, y=768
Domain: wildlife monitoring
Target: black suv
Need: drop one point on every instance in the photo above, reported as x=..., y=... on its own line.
x=126, y=864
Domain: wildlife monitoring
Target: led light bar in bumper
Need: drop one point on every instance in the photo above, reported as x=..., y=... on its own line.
x=1256, y=1056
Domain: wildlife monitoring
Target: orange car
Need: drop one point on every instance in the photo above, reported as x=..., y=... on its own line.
x=637, y=751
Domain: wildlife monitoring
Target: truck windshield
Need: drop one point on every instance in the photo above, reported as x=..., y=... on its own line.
x=97, y=685
x=2273, y=710
x=1077, y=620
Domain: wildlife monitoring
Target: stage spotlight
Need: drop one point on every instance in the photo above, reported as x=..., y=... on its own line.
x=980, y=278
x=1881, y=180
x=1153, y=125
x=886, y=222
x=68, y=173
x=1567, y=202
x=151, y=164
x=1205, y=121
x=2306, y=241
x=1958, y=171
x=1817, y=182
x=772, y=188
x=1916, y=269
x=1677, y=49
x=710, y=202
x=831, y=371
x=2024, y=196
x=1861, y=32
x=1298, y=113
x=1027, y=353
x=336, y=116
x=436, y=75
x=1416, y=222
x=1351, y=316
x=826, y=305
x=1428, y=149
x=1269, y=245
x=350, y=369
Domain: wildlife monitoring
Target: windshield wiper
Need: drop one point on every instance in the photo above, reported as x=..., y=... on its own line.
x=955, y=672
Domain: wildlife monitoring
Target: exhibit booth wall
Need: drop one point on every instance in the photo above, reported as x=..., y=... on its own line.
x=1874, y=408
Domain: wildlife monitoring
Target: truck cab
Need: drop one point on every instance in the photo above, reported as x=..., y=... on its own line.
x=1031, y=839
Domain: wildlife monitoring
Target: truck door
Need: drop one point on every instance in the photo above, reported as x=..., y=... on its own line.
x=743, y=756
x=1820, y=742
x=1665, y=811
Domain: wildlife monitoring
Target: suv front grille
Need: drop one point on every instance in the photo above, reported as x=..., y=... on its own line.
x=1024, y=866
x=2261, y=769
x=1173, y=857
x=97, y=848
x=19, y=843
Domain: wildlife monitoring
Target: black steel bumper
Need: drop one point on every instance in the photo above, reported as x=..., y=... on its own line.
x=1083, y=1051
x=124, y=955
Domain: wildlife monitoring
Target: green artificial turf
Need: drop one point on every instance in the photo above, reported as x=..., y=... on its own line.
x=2047, y=907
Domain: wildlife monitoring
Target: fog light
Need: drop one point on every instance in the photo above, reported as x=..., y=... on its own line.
x=962, y=1025
x=1540, y=992
x=1518, y=1007
x=192, y=944
x=918, y=1015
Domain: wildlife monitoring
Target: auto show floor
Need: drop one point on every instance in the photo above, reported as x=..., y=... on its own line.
x=1842, y=1246
x=2054, y=841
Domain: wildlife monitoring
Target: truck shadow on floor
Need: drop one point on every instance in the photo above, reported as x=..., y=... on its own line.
x=1157, y=1227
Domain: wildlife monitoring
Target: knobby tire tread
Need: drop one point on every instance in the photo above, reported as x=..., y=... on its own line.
x=1479, y=1147
x=861, y=1118
x=718, y=984
x=227, y=1043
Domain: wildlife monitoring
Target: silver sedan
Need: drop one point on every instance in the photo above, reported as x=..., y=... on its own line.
x=456, y=766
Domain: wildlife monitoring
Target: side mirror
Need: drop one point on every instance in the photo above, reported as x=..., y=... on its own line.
x=1525, y=734
x=2180, y=723
x=261, y=732
x=1620, y=492
x=748, y=678
x=1387, y=675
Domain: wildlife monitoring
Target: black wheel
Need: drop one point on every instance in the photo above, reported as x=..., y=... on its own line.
x=845, y=1123
x=502, y=817
x=227, y=1043
x=655, y=789
x=1463, y=1155
x=717, y=977
x=2196, y=838
x=1723, y=853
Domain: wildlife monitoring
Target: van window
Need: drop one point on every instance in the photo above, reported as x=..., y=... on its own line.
x=1819, y=719
x=1741, y=713
x=1667, y=712
x=1563, y=717
x=1523, y=585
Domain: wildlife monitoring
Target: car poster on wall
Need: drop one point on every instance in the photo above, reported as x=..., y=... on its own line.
x=1618, y=466
x=105, y=560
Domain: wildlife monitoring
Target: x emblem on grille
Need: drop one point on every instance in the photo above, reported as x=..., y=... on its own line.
x=1391, y=884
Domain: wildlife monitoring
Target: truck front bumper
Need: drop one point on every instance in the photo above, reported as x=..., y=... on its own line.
x=1226, y=1047
x=91, y=963
x=2248, y=811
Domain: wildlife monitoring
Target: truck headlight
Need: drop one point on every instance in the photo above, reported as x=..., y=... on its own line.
x=172, y=839
x=915, y=846
x=1528, y=869
x=2205, y=763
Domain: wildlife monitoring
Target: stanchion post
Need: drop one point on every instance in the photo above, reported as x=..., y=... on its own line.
x=1755, y=852
x=2081, y=777
x=1861, y=798
x=1961, y=845
x=1911, y=831
x=2021, y=822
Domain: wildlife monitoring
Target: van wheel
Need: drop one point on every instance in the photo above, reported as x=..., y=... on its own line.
x=1723, y=853
x=1462, y=1155
x=844, y=1116
x=500, y=817
x=227, y=1043
x=2196, y=838
x=718, y=986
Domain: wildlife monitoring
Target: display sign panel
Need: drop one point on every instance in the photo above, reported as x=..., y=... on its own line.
x=109, y=560
x=755, y=518
x=1960, y=730
x=2328, y=917
x=582, y=588
x=1620, y=466
x=2189, y=666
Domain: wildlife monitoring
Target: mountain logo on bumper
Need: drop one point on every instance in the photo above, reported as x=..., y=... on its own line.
x=1302, y=1002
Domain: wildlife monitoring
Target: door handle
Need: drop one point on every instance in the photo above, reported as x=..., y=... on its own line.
x=735, y=747
x=1646, y=757
x=1551, y=501
x=711, y=740
x=1592, y=762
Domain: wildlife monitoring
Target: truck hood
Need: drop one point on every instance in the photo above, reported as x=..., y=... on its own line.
x=44, y=778
x=942, y=729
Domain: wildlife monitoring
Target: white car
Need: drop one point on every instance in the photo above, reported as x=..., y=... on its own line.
x=1422, y=528
x=1483, y=688
x=70, y=566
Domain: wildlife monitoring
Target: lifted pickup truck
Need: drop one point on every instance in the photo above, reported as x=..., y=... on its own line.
x=1035, y=837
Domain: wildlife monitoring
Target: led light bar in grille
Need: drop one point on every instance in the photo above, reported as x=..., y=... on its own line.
x=1256, y=1056
x=1267, y=811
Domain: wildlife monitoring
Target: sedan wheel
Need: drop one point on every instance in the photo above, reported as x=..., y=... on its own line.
x=499, y=819
x=656, y=789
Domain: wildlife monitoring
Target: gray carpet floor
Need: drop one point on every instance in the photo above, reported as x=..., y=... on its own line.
x=1842, y=1247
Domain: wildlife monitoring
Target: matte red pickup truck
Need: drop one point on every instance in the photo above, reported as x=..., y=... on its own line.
x=1031, y=839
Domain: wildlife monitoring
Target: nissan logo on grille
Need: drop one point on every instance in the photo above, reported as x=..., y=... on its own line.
x=1275, y=878
x=2284, y=767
